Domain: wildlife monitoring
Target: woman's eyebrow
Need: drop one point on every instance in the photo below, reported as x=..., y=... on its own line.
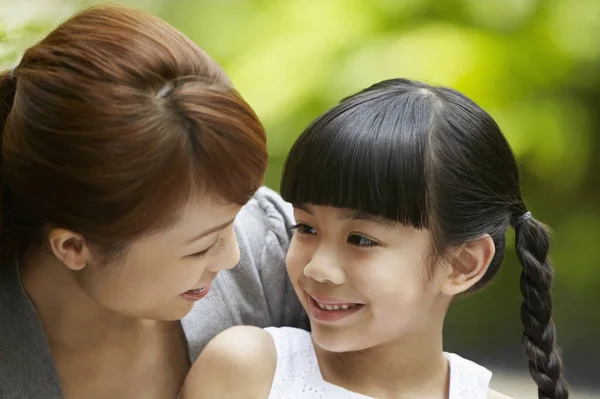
x=209, y=231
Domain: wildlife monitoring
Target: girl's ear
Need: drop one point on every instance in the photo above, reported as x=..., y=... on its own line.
x=469, y=262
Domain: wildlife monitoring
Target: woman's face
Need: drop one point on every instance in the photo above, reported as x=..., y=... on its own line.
x=162, y=275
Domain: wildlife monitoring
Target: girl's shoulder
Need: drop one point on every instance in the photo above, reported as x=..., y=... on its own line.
x=469, y=379
x=240, y=362
x=497, y=395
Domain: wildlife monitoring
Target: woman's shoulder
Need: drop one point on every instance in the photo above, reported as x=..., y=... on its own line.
x=240, y=362
x=26, y=369
x=266, y=212
x=264, y=229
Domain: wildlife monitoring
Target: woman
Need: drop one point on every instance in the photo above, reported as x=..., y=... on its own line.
x=126, y=157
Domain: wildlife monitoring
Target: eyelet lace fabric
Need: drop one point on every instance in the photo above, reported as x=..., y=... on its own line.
x=468, y=380
x=297, y=375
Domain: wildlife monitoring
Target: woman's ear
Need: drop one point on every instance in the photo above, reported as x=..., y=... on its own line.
x=469, y=262
x=69, y=247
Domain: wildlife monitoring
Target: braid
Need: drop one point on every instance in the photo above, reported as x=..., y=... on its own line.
x=539, y=334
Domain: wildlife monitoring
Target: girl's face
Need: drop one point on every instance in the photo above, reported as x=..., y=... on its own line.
x=362, y=279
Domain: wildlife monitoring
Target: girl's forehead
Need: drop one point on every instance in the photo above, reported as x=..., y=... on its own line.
x=339, y=216
x=346, y=214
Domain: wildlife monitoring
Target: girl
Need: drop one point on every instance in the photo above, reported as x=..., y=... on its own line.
x=402, y=196
x=126, y=157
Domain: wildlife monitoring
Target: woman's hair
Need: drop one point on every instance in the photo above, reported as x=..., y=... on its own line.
x=431, y=158
x=110, y=123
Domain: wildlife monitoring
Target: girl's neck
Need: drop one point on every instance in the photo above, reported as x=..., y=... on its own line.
x=72, y=320
x=412, y=367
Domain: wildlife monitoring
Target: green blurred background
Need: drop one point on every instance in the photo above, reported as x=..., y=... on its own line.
x=533, y=64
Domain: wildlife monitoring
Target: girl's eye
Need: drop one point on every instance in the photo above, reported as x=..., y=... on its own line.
x=304, y=229
x=361, y=241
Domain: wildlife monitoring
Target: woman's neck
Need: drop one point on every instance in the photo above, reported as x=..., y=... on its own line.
x=412, y=367
x=72, y=320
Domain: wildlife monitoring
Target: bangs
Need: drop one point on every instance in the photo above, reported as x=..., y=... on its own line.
x=368, y=154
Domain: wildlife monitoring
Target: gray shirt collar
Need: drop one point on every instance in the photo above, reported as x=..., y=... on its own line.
x=27, y=368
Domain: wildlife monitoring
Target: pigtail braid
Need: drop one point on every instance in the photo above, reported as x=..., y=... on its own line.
x=539, y=334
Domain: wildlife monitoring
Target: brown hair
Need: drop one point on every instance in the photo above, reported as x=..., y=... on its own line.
x=111, y=122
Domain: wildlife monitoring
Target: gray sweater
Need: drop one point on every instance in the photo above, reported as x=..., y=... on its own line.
x=256, y=292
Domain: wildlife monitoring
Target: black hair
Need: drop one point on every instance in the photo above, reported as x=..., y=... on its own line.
x=431, y=158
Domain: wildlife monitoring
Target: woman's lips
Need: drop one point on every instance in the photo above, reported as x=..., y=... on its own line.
x=196, y=294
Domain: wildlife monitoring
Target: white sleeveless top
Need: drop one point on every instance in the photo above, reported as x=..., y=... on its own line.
x=297, y=375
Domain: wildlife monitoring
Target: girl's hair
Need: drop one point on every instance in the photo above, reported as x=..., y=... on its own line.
x=110, y=123
x=431, y=158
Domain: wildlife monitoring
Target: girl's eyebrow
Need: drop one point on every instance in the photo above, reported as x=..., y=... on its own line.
x=369, y=217
x=301, y=206
x=353, y=215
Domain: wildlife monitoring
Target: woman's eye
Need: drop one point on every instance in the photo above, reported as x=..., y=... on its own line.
x=201, y=254
x=304, y=229
x=361, y=241
x=208, y=251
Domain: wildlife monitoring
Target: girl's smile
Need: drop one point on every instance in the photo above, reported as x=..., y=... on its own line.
x=330, y=310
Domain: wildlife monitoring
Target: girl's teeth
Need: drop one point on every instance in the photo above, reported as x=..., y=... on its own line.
x=334, y=307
